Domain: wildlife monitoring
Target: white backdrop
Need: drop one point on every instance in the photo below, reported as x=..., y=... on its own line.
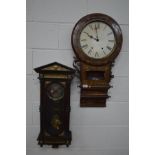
x=95, y=131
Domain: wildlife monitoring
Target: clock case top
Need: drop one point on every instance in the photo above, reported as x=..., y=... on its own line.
x=75, y=38
x=55, y=71
x=54, y=67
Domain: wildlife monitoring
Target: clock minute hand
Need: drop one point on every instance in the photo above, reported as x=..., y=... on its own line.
x=96, y=33
x=90, y=36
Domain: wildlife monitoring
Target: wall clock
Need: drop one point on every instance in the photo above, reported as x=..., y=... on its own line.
x=96, y=40
x=55, y=81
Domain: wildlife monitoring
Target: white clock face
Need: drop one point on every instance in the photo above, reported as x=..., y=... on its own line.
x=97, y=40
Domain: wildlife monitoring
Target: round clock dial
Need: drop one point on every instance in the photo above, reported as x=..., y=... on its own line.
x=55, y=91
x=97, y=40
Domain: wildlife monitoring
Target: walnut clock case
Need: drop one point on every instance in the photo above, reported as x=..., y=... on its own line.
x=96, y=40
x=55, y=80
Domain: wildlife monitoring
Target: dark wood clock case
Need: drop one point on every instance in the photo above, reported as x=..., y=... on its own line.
x=55, y=80
x=94, y=74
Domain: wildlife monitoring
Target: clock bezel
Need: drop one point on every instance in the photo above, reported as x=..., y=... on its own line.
x=81, y=24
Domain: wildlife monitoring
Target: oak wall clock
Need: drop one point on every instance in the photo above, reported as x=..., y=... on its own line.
x=96, y=40
x=55, y=81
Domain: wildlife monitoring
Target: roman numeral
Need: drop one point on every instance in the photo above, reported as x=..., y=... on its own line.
x=104, y=52
x=91, y=27
x=85, y=46
x=111, y=41
x=96, y=54
x=104, y=27
x=83, y=39
x=109, y=48
x=89, y=52
x=98, y=25
x=109, y=33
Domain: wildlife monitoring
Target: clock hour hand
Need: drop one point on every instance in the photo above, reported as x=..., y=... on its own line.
x=90, y=36
x=55, y=90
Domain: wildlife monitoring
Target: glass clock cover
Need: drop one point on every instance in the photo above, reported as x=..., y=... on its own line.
x=97, y=40
x=55, y=91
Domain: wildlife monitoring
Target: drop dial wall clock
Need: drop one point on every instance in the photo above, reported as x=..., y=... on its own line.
x=96, y=41
x=55, y=80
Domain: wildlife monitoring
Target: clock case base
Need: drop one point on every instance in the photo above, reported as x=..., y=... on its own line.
x=94, y=97
x=95, y=83
x=55, y=141
x=92, y=103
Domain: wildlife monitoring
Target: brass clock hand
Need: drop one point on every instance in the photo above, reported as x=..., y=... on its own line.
x=54, y=91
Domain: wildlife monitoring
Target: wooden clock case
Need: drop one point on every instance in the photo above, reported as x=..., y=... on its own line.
x=55, y=79
x=95, y=74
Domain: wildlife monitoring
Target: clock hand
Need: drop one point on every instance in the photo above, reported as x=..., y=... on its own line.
x=96, y=33
x=54, y=91
x=90, y=36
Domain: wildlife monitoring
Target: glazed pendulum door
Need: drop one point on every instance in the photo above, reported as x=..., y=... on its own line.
x=54, y=123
